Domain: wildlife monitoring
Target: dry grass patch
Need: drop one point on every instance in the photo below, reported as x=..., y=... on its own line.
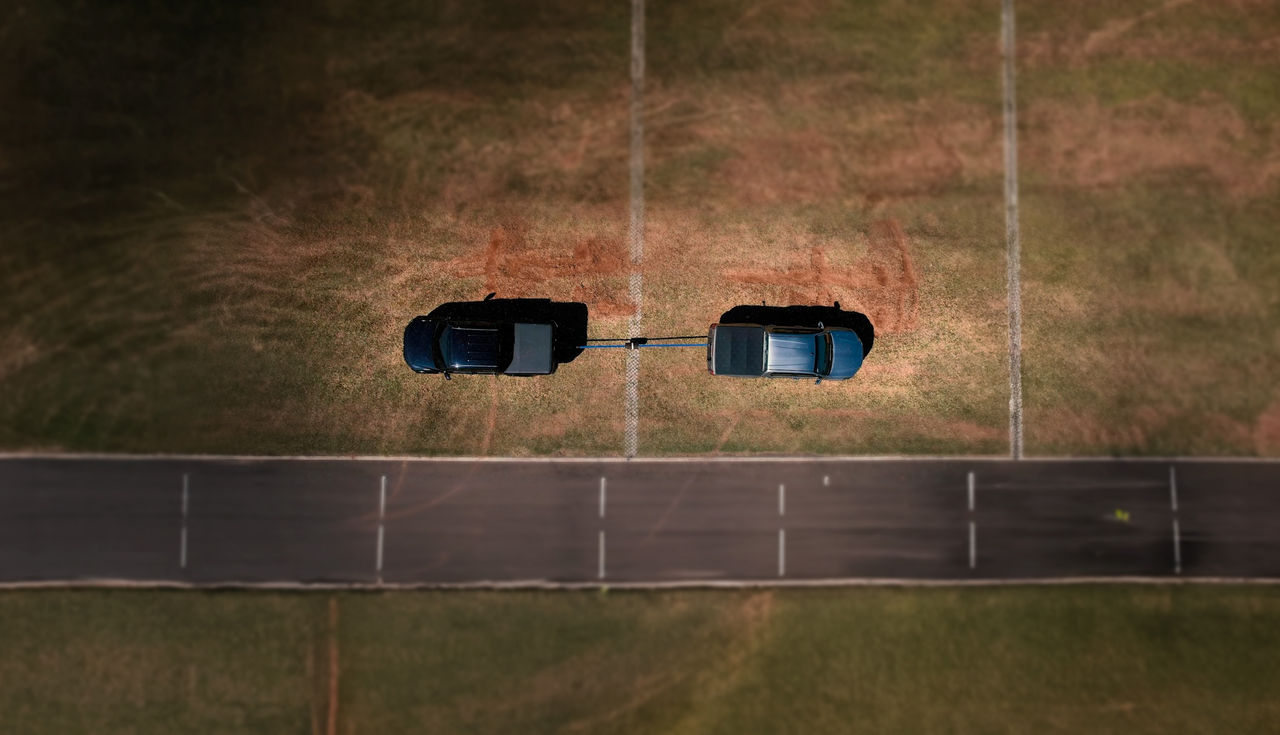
x=1150, y=164
x=1091, y=146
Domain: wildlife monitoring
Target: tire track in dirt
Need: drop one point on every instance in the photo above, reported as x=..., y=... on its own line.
x=884, y=284
x=514, y=263
x=1117, y=28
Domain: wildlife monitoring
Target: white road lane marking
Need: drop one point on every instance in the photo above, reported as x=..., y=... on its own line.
x=382, y=514
x=1177, y=532
x=1177, y=548
x=973, y=526
x=782, y=500
x=602, y=490
x=973, y=545
x=600, y=571
x=782, y=552
x=1013, y=273
x=826, y=480
x=182, y=544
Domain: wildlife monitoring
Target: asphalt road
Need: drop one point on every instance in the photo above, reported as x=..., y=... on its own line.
x=220, y=521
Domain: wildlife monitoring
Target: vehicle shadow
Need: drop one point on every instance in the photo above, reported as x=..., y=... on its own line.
x=804, y=316
x=570, y=318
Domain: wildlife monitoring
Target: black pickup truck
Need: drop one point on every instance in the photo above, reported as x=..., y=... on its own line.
x=496, y=337
x=432, y=346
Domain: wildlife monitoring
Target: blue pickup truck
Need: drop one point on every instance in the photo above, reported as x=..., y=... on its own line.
x=764, y=351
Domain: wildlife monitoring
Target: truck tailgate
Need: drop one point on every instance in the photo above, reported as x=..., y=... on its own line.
x=739, y=350
x=531, y=353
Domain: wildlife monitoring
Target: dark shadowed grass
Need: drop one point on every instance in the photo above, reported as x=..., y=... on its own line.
x=1101, y=659
x=215, y=220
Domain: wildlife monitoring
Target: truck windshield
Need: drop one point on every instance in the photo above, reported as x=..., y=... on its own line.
x=822, y=365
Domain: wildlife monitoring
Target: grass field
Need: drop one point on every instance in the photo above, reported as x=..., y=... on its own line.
x=1101, y=659
x=797, y=154
x=1150, y=187
x=216, y=220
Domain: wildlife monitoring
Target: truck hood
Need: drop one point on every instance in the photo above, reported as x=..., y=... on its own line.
x=419, y=344
x=846, y=358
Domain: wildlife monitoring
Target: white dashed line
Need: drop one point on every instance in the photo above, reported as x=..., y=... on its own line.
x=782, y=500
x=973, y=545
x=1177, y=532
x=600, y=571
x=1177, y=548
x=602, y=490
x=826, y=480
x=382, y=514
x=782, y=552
x=182, y=547
x=973, y=525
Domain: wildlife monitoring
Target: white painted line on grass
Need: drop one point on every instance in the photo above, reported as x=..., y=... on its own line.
x=782, y=500
x=602, y=486
x=382, y=514
x=973, y=545
x=635, y=228
x=600, y=571
x=182, y=544
x=636, y=167
x=1013, y=275
x=631, y=406
x=970, y=491
x=782, y=552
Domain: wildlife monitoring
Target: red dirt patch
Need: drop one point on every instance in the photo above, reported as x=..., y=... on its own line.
x=883, y=284
x=515, y=264
x=1093, y=146
x=1266, y=432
